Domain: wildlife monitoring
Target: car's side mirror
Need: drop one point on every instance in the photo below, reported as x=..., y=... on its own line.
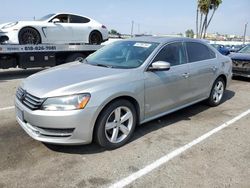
x=159, y=66
x=55, y=20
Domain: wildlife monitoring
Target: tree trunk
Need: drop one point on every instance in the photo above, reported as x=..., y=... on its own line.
x=201, y=20
x=204, y=26
x=197, y=18
x=211, y=17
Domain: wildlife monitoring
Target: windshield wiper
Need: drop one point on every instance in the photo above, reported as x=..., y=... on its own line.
x=102, y=65
x=85, y=61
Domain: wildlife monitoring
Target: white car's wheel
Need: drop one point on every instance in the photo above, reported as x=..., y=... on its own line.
x=95, y=37
x=29, y=35
x=76, y=57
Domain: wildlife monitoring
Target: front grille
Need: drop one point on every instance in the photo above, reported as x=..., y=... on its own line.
x=241, y=63
x=28, y=100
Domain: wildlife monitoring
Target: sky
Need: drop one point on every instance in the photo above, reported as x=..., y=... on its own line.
x=150, y=17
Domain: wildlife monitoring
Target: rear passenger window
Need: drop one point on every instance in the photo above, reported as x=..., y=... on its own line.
x=78, y=19
x=198, y=52
x=172, y=53
x=212, y=54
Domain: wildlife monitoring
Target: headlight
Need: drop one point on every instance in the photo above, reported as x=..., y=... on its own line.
x=9, y=25
x=71, y=102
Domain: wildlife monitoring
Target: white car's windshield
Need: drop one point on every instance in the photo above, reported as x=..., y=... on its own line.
x=122, y=54
x=246, y=49
x=44, y=18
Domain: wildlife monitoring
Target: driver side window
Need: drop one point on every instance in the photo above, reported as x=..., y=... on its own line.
x=64, y=18
x=172, y=53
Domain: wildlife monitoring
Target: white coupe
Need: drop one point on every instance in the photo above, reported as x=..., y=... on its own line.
x=57, y=28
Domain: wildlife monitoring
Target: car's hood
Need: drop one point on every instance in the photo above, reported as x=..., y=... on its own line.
x=72, y=78
x=21, y=24
x=240, y=56
x=4, y=24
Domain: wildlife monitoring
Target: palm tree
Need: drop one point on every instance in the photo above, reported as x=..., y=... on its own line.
x=204, y=7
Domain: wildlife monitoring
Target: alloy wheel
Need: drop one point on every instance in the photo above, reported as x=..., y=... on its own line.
x=119, y=124
x=218, y=91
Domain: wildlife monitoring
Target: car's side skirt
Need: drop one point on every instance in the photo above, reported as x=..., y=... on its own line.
x=173, y=110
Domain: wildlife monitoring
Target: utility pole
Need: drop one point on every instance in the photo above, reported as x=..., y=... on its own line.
x=245, y=31
x=132, y=28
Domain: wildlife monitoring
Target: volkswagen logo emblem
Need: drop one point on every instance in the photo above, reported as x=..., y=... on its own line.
x=23, y=95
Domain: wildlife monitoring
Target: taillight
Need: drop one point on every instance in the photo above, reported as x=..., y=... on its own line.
x=104, y=27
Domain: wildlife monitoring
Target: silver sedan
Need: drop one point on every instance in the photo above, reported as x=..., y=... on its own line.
x=123, y=84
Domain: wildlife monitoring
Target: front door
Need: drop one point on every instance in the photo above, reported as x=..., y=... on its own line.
x=167, y=90
x=61, y=31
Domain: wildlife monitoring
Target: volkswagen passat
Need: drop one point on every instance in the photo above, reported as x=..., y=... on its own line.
x=123, y=84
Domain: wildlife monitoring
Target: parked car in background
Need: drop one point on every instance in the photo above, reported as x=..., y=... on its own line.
x=123, y=84
x=60, y=28
x=221, y=48
x=241, y=62
x=236, y=48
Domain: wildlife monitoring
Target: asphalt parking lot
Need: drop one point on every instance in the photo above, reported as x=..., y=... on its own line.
x=221, y=160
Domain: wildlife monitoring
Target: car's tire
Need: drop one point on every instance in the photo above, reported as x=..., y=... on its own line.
x=216, y=93
x=115, y=124
x=75, y=57
x=29, y=35
x=95, y=37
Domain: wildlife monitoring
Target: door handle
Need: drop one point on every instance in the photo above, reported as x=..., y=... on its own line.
x=185, y=75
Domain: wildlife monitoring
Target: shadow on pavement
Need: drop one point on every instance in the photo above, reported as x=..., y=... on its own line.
x=17, y=73
x=184, y=114
x=240, y=78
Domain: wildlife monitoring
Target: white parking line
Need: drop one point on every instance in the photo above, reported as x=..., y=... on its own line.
x=126, y=181
x=7, y=108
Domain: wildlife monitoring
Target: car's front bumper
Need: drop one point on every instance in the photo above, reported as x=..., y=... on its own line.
x=10, y=37
x=57, y=127
x=244, y=72
x=3, y=37
x=241, y=68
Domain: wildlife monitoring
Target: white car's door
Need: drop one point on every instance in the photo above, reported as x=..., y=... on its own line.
x=81, y=28
x=60, y=31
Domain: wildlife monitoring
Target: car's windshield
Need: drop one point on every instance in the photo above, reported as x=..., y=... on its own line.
x=44, y=18
x=245, y=49
x=215, y=45
x=122, y=54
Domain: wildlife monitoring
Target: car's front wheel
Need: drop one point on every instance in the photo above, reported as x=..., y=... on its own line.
x=29, y=36
x=116, y=124
x=217, y=92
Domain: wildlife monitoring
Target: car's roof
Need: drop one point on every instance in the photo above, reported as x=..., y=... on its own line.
x=164, y=39
x=69, y=13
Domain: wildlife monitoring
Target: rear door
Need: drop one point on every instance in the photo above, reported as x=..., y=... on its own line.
x=203, y=67
x=167, y=90
x=81, y=28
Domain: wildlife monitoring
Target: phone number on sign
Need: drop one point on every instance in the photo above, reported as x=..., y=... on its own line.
x=40, y=48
